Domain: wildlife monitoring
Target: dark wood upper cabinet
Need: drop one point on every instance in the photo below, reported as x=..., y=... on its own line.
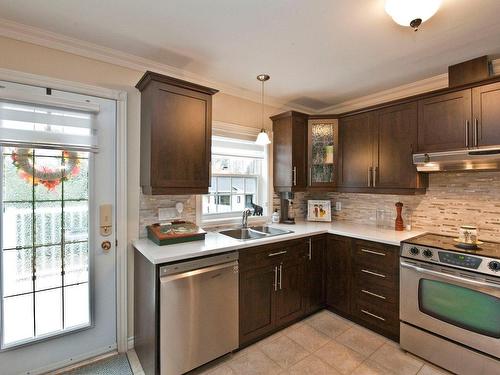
x=355, y=151
x=486, y=115
x=290, y=151
x=395, y=129
x=444, y=122
x=176, y=124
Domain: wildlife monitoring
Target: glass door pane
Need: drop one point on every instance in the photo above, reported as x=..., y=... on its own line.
x=45, y=234
x=322, y=168
x=463, y=307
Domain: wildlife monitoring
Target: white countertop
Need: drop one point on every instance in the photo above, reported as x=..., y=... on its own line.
x=215, y=243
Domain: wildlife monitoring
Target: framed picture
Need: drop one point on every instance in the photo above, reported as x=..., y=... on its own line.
x=319, y=210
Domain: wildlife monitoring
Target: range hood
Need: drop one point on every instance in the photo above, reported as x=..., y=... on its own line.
x=461, y=160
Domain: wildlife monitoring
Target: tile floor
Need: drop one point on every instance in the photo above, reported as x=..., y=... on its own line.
x=321, y=344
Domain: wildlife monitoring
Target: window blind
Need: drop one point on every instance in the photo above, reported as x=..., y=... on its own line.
x=235, y=147
x=42, y=121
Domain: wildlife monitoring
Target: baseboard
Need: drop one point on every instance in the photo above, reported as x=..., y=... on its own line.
x=74, y=362
x=130, y=343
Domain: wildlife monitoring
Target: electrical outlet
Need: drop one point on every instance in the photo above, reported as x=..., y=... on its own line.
x=338, y=206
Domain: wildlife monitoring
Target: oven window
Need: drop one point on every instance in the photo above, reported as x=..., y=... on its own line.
x=463, y=307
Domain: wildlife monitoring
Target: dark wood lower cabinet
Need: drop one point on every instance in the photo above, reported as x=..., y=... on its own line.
x=315, y=275
x=289, y=296
x=338, y=274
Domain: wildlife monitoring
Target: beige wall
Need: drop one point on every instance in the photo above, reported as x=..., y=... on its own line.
x=34, y=59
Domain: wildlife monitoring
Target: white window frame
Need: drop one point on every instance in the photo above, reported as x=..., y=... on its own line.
x=234, y=131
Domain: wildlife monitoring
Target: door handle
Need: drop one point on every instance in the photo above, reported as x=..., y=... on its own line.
x=476, y=132
x=310, y=249
x=373, y=294
x=467, y=133
x=369, y=176
x=310, y=176
x=373, y=273
x=275, y=278
x=374, y=171
x=373, y=252
x=106, y=245
x=280, y=271
x=373, y=315
x=275, y=254
x=294, y=174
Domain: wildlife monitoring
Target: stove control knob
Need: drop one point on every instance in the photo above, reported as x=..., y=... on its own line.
x=427, y=253
x=414, y=251
x=494, y=266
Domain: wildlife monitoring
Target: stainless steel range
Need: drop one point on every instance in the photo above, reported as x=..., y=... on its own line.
x=450, y=303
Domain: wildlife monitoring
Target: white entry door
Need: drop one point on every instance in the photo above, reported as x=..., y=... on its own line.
x=58, y=273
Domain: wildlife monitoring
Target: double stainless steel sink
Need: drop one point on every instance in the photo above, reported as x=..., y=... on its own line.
x=254, y=232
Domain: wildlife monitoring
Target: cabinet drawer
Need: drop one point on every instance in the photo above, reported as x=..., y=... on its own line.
x=375, y=293
x=379, y=316
x=371, y=274
x=271, y=254
x=374, y=253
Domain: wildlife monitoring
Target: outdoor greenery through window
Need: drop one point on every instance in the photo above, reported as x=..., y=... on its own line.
x=45, y=234
x=238, y=179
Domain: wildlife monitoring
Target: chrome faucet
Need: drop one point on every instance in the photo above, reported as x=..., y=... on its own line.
x=244, y=219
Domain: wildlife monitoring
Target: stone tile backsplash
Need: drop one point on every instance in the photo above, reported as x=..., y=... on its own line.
x=452, y=199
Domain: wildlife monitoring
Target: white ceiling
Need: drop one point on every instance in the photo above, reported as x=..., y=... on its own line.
x=318, y=52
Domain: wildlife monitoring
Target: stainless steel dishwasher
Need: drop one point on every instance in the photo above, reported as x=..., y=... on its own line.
x=198, y=312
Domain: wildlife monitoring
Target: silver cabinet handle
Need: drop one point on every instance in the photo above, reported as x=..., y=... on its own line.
x=281, y=271
x=294, y=174
x=467, y=133
x=373, y=252
x=275, y=254
x=310, y=249
x=372, y=315
x=275, y=278
x=374, y=172
x=369, y=176
x=373, y=294
x=310, y=176
x=476, y=132
x=373, y=273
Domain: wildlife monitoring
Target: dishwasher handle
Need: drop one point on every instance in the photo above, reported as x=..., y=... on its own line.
x=228, y=266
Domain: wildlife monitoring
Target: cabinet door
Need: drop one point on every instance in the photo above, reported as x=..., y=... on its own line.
x=180, y=121
x=315, y=271
x=289, y=298
x=444, y=122
x=486, y=108
x=338, y=274
x=299, y=153
x=355, y=153
x=257, y=292
x=396, y=135
x=323, y=152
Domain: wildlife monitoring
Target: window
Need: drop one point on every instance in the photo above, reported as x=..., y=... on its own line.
x=44, y=207
x=238, y=181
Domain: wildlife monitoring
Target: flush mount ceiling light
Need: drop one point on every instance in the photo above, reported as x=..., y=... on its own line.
x=263, y=138
x=411, y=12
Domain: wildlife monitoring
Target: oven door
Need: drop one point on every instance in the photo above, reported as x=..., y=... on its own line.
x=458, y=305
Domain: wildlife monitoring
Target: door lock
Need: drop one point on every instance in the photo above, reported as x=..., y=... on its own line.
x=106, y=245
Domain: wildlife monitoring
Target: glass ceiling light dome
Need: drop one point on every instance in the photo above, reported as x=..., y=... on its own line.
x=411, y=12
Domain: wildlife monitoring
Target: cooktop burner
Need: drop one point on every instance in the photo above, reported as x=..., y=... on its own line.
x=438, y=241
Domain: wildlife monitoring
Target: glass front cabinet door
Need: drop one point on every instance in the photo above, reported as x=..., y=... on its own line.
x=323, y=141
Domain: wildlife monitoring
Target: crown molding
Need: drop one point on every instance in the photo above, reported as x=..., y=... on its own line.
x=399, y=92
x=37, y=36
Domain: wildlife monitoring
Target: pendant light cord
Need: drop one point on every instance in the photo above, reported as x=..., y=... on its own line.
x=262, y=109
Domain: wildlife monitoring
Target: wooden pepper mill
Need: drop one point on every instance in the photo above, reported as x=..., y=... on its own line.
x=399, y=226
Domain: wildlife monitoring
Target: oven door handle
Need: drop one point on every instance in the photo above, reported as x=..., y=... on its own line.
x=448, y=276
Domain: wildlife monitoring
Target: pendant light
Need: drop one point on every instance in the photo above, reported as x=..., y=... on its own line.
x=263, y=138
x=411, y=12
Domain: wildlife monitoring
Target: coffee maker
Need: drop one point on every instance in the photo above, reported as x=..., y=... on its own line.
x=287, y=213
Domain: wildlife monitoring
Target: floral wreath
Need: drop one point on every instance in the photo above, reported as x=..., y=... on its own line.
x=22, y=158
